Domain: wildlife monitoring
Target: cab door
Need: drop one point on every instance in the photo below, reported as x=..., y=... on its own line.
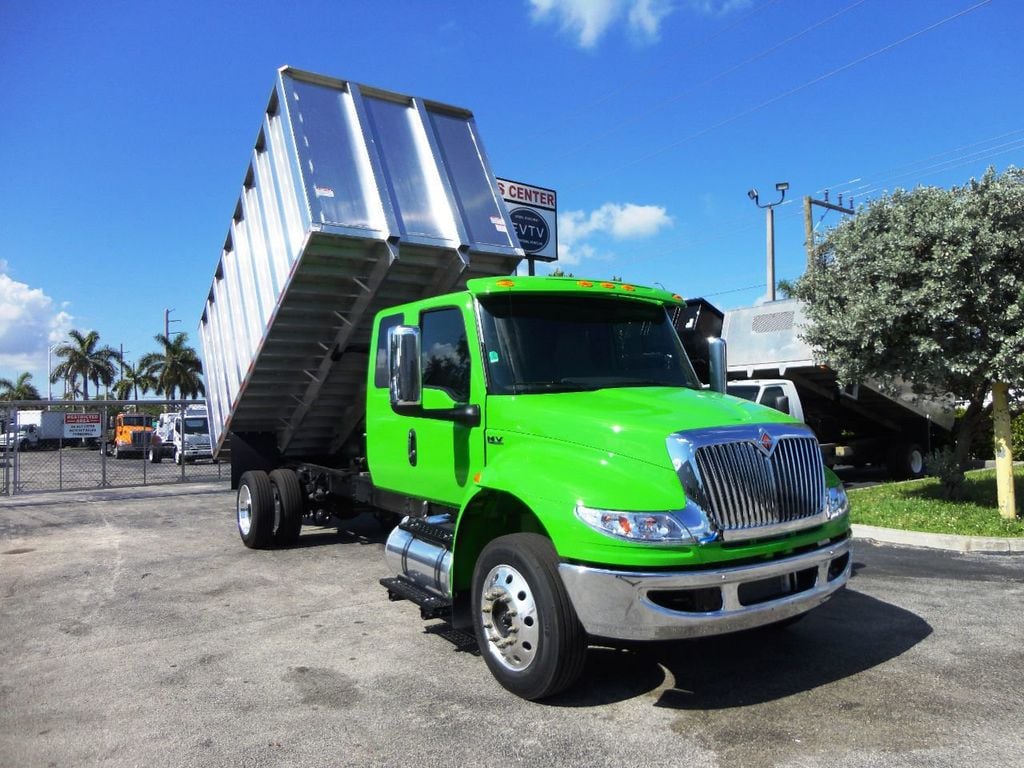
x=446, y=451
x=424, y=457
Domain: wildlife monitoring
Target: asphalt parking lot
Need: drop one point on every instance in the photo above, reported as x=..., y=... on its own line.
x=136, y=630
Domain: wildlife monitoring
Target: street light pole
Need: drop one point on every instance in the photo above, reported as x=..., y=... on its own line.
x=49, y=370
x=781, y=187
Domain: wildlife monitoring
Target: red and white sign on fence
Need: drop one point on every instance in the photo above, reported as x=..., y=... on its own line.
x=82, y=425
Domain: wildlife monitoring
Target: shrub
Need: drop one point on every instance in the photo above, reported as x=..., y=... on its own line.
x=943, y=465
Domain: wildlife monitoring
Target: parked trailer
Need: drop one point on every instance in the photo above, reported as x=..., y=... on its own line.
x=35, y=428
x=558, y=470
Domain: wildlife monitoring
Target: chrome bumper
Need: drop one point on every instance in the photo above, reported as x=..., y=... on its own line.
x=631, y=605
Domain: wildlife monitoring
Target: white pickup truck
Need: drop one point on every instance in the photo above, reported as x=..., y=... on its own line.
x=904, y=458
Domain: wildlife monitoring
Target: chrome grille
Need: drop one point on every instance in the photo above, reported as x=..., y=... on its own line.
x=745, y=488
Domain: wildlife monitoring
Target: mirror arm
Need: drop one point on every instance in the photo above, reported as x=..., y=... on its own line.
x=465, y=415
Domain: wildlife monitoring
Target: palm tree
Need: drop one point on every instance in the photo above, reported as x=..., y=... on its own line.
x=176, y=368
x=84, y=358
x=20, y=389
x=132, y=381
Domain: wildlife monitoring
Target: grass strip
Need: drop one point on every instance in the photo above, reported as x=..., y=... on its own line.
x=918, y=506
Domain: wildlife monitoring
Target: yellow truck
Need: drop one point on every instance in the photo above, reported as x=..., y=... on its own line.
x=131, y=435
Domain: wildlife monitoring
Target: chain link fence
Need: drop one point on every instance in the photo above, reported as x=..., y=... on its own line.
x=104, y=444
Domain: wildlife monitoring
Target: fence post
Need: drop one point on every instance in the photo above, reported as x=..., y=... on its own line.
x=7, y=453
x=103, y=449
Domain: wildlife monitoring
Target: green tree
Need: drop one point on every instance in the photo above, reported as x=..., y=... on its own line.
x=19, y=389
x=134, y=380
x=176, y=368
x=82, y=358
x=926, y=286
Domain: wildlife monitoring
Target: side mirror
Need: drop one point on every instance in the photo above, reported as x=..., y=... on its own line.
x=781, y=404
x=716, y=364
x=404, y=378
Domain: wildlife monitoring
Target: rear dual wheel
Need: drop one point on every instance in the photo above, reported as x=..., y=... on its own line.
x=269, y=508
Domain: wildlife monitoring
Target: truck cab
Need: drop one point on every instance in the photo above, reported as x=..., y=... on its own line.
x=183, y=436
x=131, y=435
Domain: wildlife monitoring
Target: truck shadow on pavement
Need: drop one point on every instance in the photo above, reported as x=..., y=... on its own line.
x=851, y=633
x=360, y=530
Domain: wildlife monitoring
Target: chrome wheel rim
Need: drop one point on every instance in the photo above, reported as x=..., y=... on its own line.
x=916, y=462
x=508, y=614
x=244, y=510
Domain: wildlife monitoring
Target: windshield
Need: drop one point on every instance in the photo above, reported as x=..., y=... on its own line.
x=195, y=426
x=137, y=421
x=746, y=391
x=550, y=343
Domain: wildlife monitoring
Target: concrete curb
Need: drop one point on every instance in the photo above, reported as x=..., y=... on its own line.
x=945, y=541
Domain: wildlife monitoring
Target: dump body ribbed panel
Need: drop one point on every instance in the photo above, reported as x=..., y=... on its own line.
x=355, y=199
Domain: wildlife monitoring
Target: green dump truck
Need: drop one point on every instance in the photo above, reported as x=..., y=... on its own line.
x=557, y=472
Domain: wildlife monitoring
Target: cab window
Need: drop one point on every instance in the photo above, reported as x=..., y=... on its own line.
x=445, y=352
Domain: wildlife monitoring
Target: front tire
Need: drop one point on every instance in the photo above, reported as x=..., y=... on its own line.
x=254, y=509
x=289, y=506
x=154, y=455
x=526, y=627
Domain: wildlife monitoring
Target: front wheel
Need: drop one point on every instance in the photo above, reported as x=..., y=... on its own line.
x=526, y=627
x=154, y=455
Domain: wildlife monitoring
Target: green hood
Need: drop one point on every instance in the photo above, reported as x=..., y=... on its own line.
x=630, y=421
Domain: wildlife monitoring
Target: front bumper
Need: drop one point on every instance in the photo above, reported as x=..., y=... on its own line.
x=631, y=605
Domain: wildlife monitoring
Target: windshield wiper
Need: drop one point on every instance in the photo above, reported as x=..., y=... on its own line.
x=564, y=385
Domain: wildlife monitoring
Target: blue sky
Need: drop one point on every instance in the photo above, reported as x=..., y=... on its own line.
x=128, y=127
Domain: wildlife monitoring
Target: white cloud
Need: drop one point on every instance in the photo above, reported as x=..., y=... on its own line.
x=29, y=322
x=647, y=15
x=588, y=20
x=618, y=221
x=719, y=7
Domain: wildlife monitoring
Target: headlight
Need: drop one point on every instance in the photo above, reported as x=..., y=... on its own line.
x=836, y=502
x=650, y=527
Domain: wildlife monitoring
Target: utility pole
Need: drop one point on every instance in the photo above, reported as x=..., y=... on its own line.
x=809, y=203
x=167, y=323
x=781, y=187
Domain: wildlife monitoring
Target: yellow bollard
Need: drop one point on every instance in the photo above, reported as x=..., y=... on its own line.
x=1004, y=454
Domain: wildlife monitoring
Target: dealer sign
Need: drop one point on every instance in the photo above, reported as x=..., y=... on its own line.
x=534, y=215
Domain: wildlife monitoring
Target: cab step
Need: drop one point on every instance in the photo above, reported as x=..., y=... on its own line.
x=442, y=534
x=431, y=606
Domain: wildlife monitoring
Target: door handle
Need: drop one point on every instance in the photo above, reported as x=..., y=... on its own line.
x=412, y=447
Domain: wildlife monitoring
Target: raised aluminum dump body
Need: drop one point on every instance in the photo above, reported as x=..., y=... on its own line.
x=355, y=199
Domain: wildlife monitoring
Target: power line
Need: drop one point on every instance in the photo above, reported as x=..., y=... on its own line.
x=607, y=95
x=947, y=165
x=723, y=73
x=791, y=91
x=907, y=166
